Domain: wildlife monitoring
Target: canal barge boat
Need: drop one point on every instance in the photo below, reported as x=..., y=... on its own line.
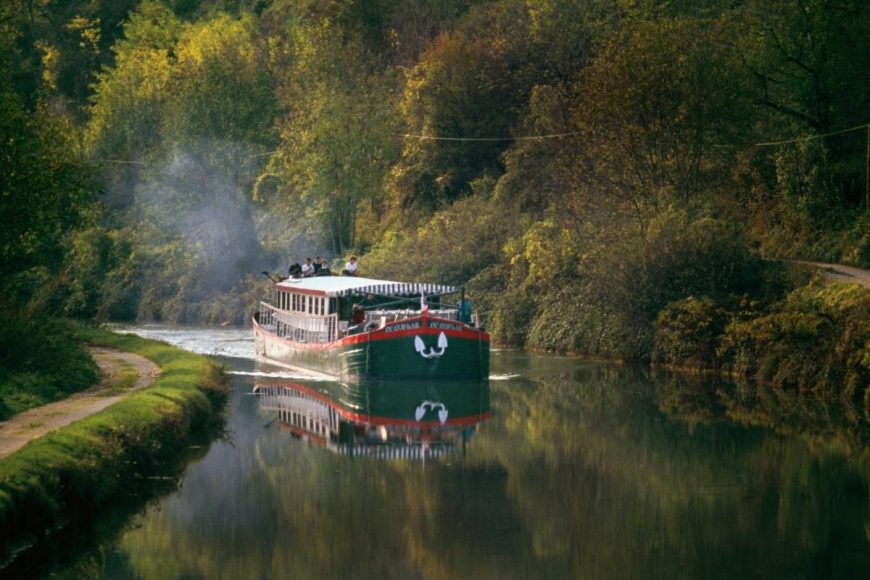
x=355, y=329
x=379, y=420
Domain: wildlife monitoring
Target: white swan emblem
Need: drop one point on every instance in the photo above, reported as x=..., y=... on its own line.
x=432, y=352
x=431, y=406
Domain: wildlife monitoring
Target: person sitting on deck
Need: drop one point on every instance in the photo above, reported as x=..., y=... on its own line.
x=295, y=270
x=351, y=267
x=316, y=265
x=324, y=269
x=307, y=268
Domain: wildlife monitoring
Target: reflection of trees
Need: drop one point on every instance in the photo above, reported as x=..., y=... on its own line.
x=580, y=476
x=834, y=426
x=607, y=487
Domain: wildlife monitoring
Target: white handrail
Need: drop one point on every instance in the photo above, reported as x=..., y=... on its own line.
x=309, y=328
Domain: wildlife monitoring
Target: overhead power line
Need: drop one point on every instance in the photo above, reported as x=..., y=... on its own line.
x=518, y=138
x=811, y=137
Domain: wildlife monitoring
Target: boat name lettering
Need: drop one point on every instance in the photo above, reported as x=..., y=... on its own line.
x=402, y=326
x=444, y=325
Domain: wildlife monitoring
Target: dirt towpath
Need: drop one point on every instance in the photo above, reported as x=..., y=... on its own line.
x=123, y=373
x=842, y=273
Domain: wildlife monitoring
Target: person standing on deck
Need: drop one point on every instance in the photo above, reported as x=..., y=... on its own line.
x=316, y=265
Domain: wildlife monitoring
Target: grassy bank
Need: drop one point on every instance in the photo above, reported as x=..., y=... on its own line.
x=75, y=471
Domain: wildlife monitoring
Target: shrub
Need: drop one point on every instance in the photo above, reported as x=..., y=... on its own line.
x=605, y=293
x=687, y=332
x=817, y=339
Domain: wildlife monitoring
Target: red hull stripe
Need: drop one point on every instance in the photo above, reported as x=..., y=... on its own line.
x=383, y=334
x=362, y=418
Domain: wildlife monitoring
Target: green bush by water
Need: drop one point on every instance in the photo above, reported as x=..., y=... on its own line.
x=816, y=339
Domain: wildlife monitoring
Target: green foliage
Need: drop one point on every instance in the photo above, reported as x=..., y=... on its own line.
x=605, y=300
x=191, y=106
x=221, y=86
x=339, y=137
x=40, y=362
x=687, y=332
x=45, y=192
x=130, y=97
x=99, y=276
x=452, y=246
x=648, y=142
x=472, y=82
x=54, y=48
x=817, y=339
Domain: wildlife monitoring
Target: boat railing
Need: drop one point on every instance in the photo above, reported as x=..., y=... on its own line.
x=384, y=317
x=299, y=327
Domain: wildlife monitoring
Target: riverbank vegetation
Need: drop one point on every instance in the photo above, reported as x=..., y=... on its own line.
x=76, y=471
x=615, y=179
x=29, y=378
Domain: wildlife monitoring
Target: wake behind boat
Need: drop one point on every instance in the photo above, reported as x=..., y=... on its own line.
x=360, y=328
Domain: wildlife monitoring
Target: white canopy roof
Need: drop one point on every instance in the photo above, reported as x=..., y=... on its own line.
x=333, y=286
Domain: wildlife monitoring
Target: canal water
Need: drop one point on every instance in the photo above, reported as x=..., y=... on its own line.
x=554, y=468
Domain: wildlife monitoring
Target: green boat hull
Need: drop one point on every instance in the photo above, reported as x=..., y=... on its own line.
x=422, y=348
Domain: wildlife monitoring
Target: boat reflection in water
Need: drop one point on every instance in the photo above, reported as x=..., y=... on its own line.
x=384, y=420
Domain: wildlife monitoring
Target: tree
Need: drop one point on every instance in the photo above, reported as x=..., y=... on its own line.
x=45, y=192
x=809, y=68
x=659, y=112
x=59, y=46
x=472, y=83
x=131, y=97
x=338, y=137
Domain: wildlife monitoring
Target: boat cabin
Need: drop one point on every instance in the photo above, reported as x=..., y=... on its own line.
x=324, y=309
